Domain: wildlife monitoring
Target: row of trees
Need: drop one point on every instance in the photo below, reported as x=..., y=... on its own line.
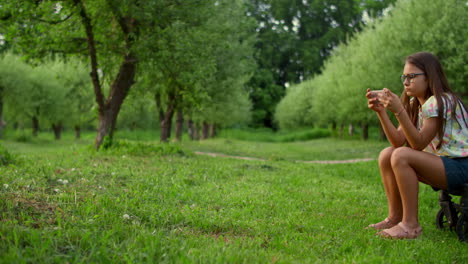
x=54, y=94
x=374, y=59
x=185, y=55
x=294, y=39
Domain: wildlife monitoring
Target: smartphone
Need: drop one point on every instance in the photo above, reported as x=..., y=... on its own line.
x=377, y=94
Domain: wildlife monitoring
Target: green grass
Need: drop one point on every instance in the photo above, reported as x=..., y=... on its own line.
x=63, y=203
x=267, y=135
x=321, y=149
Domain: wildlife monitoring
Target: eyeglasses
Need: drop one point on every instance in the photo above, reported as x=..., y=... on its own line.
x=410, y=77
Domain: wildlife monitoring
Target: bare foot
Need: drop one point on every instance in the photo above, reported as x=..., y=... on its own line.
x=401, y=231
x=385, y=224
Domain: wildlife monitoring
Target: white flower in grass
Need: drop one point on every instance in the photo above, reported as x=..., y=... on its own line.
x=6, y=186
x=56, y=190
x=126, y=217
x=64, y=182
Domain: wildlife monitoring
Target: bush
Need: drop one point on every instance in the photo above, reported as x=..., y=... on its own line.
x=127, y=147
x=5, y=157
x=21, y=135
x=267, y=135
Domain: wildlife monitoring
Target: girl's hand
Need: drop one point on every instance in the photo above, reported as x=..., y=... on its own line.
x=373, y=102
x=391, y=101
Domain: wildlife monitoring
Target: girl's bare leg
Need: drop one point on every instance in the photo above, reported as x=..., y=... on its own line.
x=411, y=166
x=395, y=208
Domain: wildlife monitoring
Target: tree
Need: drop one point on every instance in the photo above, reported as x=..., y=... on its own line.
x=227, y=101
x=34, y=93
x=198, y=61
x=294, y=39
x=114, y=35
x=374, y=59
x=13, y=78
x=78, y=97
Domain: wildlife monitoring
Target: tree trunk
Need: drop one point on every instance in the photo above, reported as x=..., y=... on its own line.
x=159, y=107
x=351, y=130
x=196, y=131
x=166, y=123
x=365, y=131
x=191, y=129
x=179, y=129
x=205, y=130
x=341, y=133
x=213, y=131
x=109, y=111
x=109, y=108
x=77, y=132
x=35, y=126
x=57, y=128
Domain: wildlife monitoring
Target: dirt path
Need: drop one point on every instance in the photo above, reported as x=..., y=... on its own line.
x=212, y=154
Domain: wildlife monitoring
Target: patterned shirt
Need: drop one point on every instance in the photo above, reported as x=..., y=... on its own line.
x=455, y=139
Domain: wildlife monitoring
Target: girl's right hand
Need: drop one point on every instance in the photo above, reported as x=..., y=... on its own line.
x=373, y=102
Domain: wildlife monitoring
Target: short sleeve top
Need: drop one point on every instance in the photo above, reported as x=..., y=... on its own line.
x=455, y=139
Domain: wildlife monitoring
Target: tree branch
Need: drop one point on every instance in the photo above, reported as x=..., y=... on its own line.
x=92, y=53
x=54, y=22
x=127, y=24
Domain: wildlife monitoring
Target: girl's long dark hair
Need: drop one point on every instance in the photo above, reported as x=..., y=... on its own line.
x=438, y=86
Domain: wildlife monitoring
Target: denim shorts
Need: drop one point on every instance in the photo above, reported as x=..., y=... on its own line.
x=456, y=170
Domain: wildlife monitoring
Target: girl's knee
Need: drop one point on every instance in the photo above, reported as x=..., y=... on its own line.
x=385, y=156
x=400, y=156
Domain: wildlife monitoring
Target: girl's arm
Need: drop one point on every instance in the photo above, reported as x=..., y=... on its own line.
x=395, y=136
x=418, y=140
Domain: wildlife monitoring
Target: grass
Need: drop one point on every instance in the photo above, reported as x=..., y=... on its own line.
x=63, y=203
x=267, y=135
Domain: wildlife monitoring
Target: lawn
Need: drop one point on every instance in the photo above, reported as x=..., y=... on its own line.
x=61, y=202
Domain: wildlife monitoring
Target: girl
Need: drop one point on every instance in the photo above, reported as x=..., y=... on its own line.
x=430, y=144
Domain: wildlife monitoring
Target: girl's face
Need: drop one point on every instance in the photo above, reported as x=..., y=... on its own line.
x=416, y=86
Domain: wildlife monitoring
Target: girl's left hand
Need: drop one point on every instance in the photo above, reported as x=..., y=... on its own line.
x=391, y=101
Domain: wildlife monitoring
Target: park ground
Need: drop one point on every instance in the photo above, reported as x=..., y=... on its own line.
x=145, y=202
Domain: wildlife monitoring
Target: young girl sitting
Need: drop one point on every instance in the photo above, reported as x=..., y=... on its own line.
x=430, y=144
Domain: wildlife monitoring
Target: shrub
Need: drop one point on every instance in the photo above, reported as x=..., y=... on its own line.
x=5, y=157
x=128, y=147
x=266, y=135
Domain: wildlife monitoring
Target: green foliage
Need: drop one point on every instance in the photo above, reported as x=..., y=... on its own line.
x=22, y=136
x=234, y=62
x=6, y=157
x=127, y=147
x=374, y=59
x=138, y=112
x=294, y=39
x=54, y=92
x=107, y=142
x=292, y=111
